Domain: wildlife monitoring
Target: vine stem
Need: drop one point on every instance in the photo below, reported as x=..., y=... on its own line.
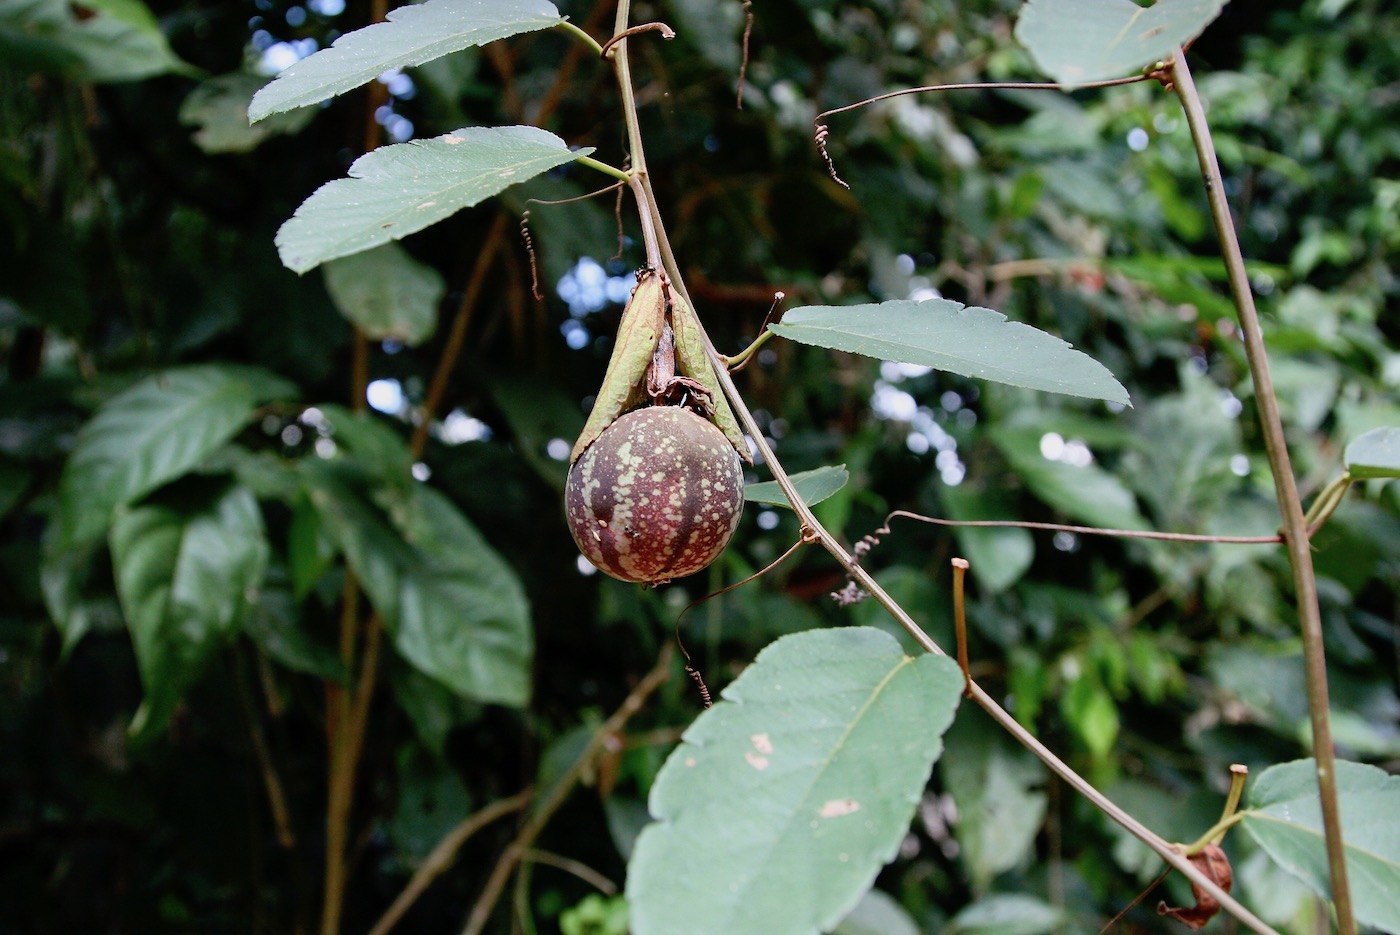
x=443, y=854
x=816, y=530
x=1295, y=530
x=829, y=542
x=1158, y=844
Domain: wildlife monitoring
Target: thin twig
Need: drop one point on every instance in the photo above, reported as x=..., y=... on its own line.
x=443, y=854
x=820, y=132
x=744, y=53
x=576, y=867
x=518, y=848
x=960, y=566
x=1295, y=528
x=1081, y=530
x=666, y=33
x=272, y=783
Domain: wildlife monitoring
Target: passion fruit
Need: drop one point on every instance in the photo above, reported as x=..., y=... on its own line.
x=656, y=496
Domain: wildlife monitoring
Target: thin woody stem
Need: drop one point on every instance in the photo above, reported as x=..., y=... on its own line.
x=1081, y=530
x=1295, y=527
x=984, y=86
x=618, y=54
x=960, y=566
x=644, y=217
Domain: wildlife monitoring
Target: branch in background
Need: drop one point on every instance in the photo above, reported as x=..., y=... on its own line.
x=456, y=337
x=519, y=849
x=443, y=854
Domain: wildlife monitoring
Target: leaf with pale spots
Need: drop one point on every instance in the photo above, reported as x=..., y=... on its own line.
x=398, y=190
x=783, y=801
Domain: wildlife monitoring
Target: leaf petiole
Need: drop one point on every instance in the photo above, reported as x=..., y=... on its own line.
x=582, y=36
x=603, y=167
x=737, y=362
x=1327, y=501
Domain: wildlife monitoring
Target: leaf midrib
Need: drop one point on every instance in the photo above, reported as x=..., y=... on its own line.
x=785, y=829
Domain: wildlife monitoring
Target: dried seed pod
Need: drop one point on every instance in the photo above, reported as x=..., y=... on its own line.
x=637, y=336
x=656, y=496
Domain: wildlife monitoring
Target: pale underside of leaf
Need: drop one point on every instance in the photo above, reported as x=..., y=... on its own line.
x=785, y=799
x=412, y=35
x=1375, y=454
x=813, y=486
x=945, y=335
x=1078, y=41
x=1286, y=821
x=398, y=190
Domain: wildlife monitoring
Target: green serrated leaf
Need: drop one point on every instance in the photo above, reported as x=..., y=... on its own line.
x=1078, y=41
x=785, y=799
x=814, y=486
x=1375, y=454
x=397, y=190
x=412, y=35
x=945, y=335
x=184, y=577
x=387, y=293
x=453, y=607
x=1285, y=819
x=150, y=434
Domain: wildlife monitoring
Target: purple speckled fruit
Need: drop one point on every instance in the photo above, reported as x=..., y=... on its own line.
x=656, y=496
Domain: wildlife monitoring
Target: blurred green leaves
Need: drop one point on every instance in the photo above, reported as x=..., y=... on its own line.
x=387, y=293
x=100, y=41
x=185, y=575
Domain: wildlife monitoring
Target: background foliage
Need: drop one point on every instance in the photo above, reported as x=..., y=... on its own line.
x=140, y=211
